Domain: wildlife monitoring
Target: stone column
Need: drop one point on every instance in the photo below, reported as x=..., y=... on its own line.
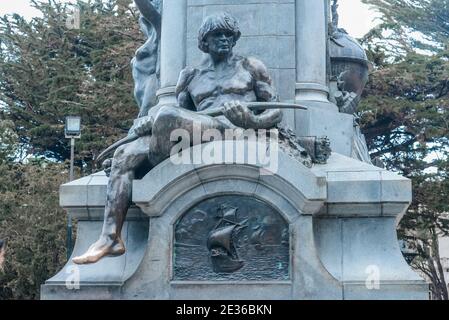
x=173, y=47
x=311, y=50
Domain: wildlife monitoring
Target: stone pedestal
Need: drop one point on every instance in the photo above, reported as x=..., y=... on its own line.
x=340, y=219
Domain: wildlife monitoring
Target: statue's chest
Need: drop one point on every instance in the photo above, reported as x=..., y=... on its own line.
x=209, y=84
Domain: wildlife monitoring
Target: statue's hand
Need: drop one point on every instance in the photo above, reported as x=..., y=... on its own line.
x=142, y=126
x=240, y=115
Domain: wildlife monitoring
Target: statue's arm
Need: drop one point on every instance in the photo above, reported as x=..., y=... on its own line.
x=150, y=13
x=182, y=89
x=265, y=92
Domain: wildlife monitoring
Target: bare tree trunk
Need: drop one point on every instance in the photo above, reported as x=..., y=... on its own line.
x=442, y=286
x=431, y=266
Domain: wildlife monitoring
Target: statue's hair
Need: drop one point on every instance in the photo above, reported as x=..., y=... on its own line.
x=221, y=21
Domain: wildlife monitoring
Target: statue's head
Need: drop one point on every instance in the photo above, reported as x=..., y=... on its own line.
x=219, y=34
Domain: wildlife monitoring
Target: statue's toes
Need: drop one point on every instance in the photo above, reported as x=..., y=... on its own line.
x=89, y=257
x=86, y=259
x=79, y=260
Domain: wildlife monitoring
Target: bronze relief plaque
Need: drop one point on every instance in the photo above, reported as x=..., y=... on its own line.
x=231, y=238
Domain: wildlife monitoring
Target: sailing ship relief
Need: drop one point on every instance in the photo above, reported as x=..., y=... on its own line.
x=231, y=238
x=220, y=243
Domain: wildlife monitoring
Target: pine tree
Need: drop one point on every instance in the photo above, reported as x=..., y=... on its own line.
x=408, y=25
x=49, y=71
x=405, y=116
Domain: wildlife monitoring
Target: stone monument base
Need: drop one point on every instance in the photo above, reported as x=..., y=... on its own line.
x=326, y=232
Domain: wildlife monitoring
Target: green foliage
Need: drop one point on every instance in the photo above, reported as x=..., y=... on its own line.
x=405, y=112
x=405, y=116
x=49, y=71
x=408, y=25
x=33, y=225
x=8, y=140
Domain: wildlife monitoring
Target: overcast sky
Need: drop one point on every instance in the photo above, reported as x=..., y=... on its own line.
x=355, y=17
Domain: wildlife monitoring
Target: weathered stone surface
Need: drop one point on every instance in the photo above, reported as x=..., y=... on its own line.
x=108, y=272
x=332, y=252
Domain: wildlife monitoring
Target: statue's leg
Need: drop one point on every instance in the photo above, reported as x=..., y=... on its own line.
x=169, y=119
x=128, y=160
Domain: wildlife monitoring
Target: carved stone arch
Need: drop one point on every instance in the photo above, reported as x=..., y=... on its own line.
x=291, y=180
x=293, y=191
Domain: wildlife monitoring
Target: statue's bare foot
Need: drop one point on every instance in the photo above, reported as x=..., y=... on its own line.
x=102, y=248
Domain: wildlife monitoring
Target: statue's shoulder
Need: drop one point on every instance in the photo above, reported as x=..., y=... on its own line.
x=257, y=69
x=185, y=77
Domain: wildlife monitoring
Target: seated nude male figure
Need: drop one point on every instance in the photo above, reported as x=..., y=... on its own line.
x=223, y=80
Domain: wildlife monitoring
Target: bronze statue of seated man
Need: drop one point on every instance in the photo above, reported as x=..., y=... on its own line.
x=224, y=80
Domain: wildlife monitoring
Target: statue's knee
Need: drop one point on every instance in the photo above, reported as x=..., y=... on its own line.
x=123, y=159
x=120, y=152
x=166, y=118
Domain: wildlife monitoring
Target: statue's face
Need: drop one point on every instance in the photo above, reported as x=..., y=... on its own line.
x=220, y=42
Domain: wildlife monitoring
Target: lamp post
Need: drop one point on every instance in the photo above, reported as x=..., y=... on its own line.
x=72, y=132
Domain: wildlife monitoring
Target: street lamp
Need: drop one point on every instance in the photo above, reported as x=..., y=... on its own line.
x=72, y=131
